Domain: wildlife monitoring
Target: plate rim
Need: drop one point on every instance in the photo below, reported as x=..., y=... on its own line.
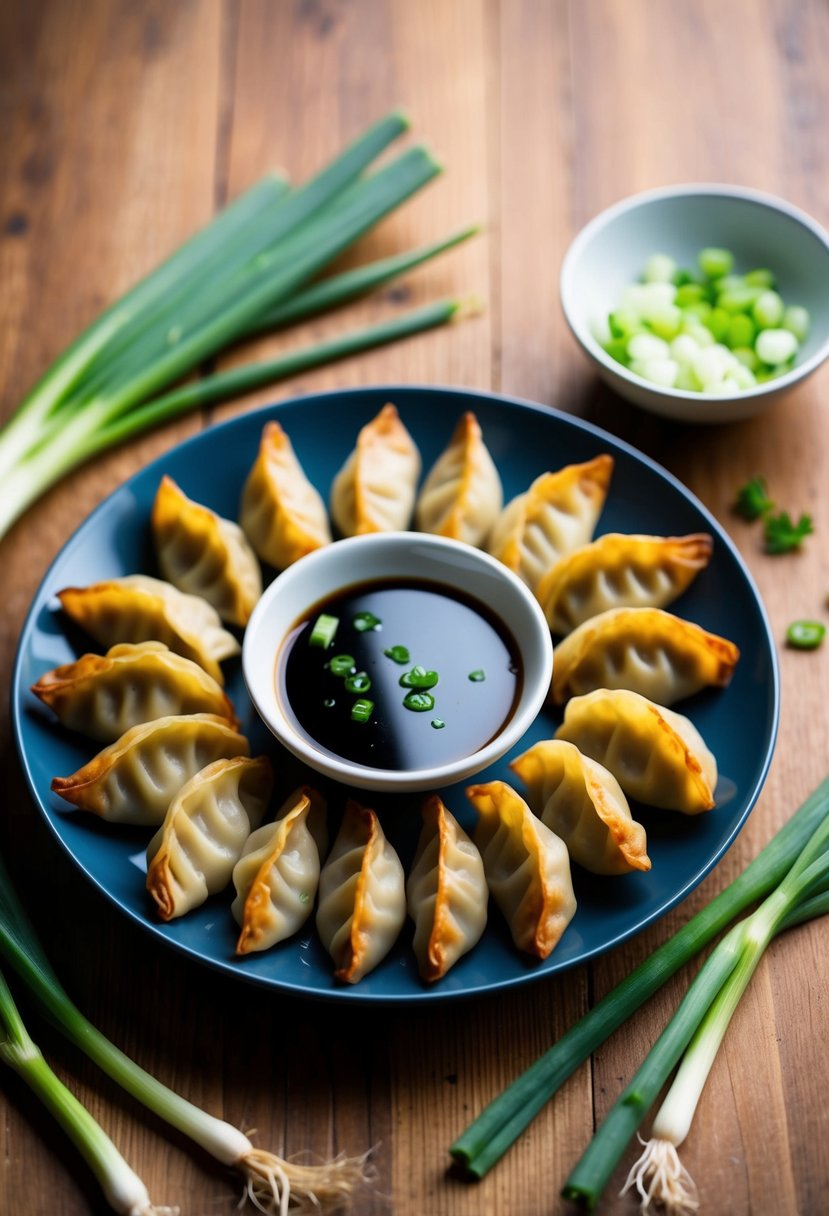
x=353, y=993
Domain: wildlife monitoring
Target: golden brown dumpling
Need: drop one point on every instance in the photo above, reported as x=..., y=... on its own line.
x=527, y=867
x=362, y=897
x=556, y=515
x=446, y=892
x=135, y=779
x=657, y=756
x=647, y=650
x=282, y=514
x=374, y=491
x=138, y=608
x=193, y=853
x=277, y=875
x=461, y=496
x=584, y=804
x=202, y=554
x=102, y=696
x=620, y=571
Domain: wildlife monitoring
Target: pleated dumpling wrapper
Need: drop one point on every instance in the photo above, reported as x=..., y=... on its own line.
x=193, y=853
x=362, y=897
x=647, y=650
x=277, y=875
x=375, y=489
x=527, y=867
x=446, y=892
x=556, y=515
x=203, y=554
x=657, y=755
x=461, y=497
x=584, y=804
x=138, y=608
x=620, y=571
x=282, y=514
x=135, y=779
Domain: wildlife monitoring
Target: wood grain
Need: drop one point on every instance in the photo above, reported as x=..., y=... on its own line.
x=125, y=125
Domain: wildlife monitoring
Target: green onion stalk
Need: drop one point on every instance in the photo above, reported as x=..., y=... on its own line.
x=799, y=842
x=272, y=1184
x=699, y=1025
x=253, y=268
x=125, y=1192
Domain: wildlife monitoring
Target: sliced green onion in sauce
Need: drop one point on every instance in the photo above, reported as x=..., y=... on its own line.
x=322, y=634
x=420, y=702
x=438, y=723
x=419, y=677
x=805, y=635
x=399, y=654
x=329, y=702
x=341, y=665
x=477, y=676
x=359, y=682
x=361, y=710
x=364, y=621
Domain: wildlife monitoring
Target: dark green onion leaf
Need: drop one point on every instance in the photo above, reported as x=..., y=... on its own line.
x=419, y=677
x=438, y=723
x=420, y=702
x=478, y=676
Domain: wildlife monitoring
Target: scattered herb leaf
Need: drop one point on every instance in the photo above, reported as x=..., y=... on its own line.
x=753, y=501
x=783, y=535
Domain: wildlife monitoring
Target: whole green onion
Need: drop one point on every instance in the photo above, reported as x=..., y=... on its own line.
x=486, y=1139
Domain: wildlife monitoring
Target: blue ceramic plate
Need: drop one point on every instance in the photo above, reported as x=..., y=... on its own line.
x=739, y=723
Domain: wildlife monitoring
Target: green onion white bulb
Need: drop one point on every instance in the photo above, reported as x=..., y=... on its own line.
x=711, y=331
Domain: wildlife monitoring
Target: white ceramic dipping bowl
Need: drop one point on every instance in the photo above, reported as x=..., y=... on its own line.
x=374, y=558
x=759, y=229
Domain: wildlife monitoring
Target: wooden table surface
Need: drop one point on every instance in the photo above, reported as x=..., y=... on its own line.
x=124, y=126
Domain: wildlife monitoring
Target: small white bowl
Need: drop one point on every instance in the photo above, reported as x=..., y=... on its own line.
x=375, y=558
x=759, y=229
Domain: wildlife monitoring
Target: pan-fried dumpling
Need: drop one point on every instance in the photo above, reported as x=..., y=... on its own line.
x=446, y=892
x=193, y=853
x=556, y=515
x=203, y=554
x=282, y=514
x=620, y=571
x=136, y=779
x=647, y=650
x=102, y=696
x=362, y=898
x=527, y=867
x=657, y=756
x=276, y=877
x=461, y=496
x=374, y=491
x=584, y=804
x=138, y=608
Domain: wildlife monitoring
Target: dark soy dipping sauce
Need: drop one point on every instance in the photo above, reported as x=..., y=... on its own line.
x=444, y=631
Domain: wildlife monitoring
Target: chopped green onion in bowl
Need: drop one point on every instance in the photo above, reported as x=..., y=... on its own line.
x=704, y=329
